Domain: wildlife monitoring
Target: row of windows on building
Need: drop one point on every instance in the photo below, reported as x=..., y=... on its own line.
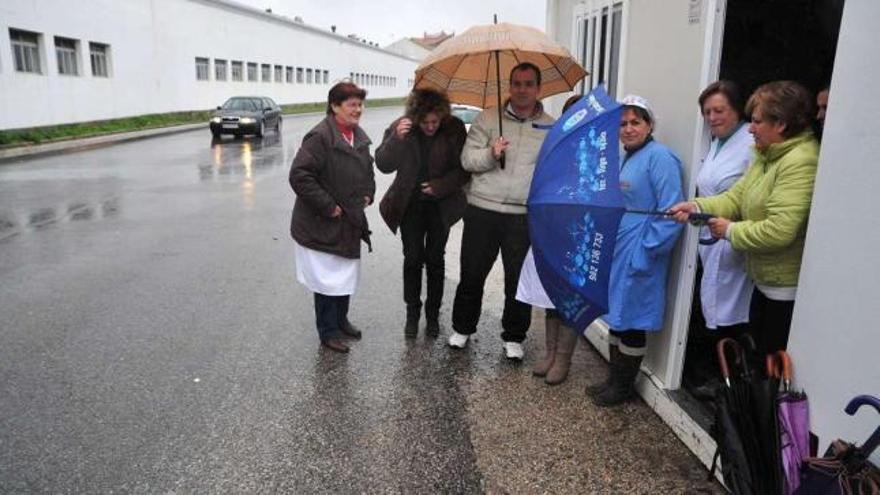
x=372, y=79
x=236, y=70
x=27, y=50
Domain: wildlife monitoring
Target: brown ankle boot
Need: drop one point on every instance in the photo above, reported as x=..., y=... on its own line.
x=564, y=349
x=551, y=331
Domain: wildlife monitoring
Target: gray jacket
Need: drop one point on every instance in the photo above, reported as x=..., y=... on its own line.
x=503, y=190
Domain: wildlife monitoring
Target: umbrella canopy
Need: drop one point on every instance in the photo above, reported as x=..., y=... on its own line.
x=465, y=66
x=575, y=206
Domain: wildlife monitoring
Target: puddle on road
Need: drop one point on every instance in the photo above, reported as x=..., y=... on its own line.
x=241, y=158
x=14, y=222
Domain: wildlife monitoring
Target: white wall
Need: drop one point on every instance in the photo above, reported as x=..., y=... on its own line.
x=153, y=46
x=835, y=336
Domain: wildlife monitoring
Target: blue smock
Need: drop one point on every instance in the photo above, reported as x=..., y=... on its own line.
x=650, y=179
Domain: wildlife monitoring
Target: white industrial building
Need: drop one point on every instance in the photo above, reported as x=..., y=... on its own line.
x=668, y=51
x=63, y=61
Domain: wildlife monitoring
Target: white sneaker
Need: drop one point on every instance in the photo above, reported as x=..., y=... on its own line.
x=457, y=340
x=514, y=351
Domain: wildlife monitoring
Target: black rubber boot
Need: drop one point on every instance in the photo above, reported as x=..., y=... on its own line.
x=623, y=377
x=593, y=390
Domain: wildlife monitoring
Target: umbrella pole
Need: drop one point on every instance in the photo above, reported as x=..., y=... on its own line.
x=498, y=95
x=695, y=218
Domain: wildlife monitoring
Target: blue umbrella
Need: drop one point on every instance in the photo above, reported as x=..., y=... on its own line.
x=575, y=206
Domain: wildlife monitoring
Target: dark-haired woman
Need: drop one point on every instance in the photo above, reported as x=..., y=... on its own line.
x=426, y=197
x=725, y=289
x=765, y=213
x=332, y=176
x=650, y=179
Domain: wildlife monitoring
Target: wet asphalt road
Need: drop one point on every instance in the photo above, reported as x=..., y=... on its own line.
x=154, y=340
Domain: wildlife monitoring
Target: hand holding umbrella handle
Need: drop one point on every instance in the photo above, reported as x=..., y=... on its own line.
x=699, y=219
x=498, y=148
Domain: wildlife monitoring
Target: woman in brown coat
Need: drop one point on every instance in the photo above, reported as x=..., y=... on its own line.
x=332, y=176
x=426, y=197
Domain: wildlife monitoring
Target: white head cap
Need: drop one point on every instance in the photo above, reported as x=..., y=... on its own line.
x=638, y=101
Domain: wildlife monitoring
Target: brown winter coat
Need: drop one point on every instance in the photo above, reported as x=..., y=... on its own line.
x=444, y=171
x=327, y=172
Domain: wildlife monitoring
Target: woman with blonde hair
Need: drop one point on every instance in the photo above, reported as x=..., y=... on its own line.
x=764, y=214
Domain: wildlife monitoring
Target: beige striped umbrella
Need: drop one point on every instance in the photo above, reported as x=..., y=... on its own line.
x=465, y=66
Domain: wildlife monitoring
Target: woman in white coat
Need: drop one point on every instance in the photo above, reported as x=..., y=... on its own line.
x=725, y=290
x=560, y=340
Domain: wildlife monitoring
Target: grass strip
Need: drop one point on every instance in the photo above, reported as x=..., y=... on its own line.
x=36, y=135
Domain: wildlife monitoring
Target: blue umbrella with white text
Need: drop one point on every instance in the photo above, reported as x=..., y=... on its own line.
x=575, y=207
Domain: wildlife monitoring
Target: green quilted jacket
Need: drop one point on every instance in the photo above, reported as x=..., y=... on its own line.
x=770, y=205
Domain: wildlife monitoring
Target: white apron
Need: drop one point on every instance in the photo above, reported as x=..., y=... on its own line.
x=530, y=290
x=726, y=290
x=326, y=273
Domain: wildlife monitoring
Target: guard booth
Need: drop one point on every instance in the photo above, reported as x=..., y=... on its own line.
x=668, y=52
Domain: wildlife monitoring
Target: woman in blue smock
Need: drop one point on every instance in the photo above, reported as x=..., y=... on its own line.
x=650, y=179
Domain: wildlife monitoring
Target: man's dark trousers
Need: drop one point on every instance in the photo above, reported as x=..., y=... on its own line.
x=485, y=233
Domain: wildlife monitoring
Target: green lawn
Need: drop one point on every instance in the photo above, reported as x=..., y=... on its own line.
x=35, y=135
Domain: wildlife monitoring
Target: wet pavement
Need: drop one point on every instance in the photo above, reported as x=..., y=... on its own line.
x=154, y=339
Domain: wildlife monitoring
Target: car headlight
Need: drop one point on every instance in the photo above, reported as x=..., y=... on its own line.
x=247, y=120
x=216, y=120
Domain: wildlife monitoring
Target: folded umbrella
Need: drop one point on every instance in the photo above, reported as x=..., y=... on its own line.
x=735, y=430
x=845, y=468
x=793, y=417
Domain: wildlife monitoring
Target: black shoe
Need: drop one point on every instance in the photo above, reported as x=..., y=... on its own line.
x=432, y=328
x=335, y=345
x=350, y=331
x=411, y=329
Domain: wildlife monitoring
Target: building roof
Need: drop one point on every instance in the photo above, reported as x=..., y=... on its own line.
x=296, y=22
x=432, y=40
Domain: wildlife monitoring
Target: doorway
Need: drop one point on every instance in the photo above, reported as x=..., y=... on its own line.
x=764, y=40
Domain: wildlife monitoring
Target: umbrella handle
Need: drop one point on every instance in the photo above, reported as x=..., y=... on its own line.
x=868, y=447
x=779, y=366
x=699, y=218
x=722, y=357
x=860, y=401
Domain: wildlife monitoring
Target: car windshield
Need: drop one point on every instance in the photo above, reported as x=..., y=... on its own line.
x=241, y=104
x=467, y=115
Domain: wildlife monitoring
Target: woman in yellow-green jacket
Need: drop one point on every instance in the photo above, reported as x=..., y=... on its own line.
x=765, y=213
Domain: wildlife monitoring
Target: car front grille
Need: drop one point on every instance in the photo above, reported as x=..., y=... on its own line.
x=229, y=119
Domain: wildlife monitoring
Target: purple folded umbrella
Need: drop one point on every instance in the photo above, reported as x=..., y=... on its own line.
x=794, y=436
